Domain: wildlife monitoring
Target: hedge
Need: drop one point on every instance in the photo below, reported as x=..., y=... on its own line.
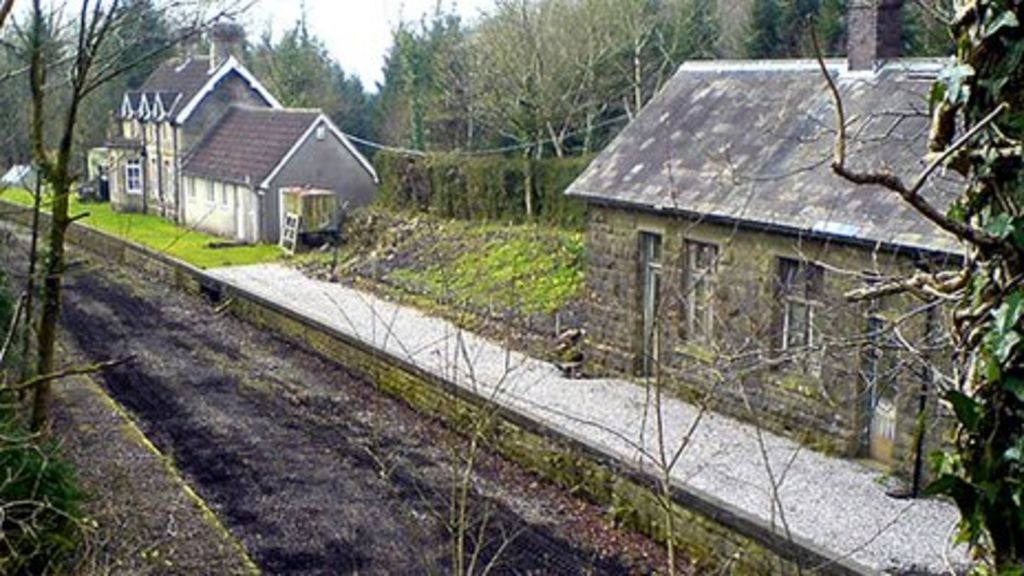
x=482, y=188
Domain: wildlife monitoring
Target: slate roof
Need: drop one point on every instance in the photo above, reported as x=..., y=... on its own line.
x=248, y=143
x=183, y=76
x=751, y=142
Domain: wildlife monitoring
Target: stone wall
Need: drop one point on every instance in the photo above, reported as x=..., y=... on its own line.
x=819, y=396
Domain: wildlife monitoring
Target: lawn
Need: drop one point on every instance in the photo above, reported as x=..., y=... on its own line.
x=159, y=234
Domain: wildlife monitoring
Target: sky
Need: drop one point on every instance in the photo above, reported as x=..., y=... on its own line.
x=356, y=32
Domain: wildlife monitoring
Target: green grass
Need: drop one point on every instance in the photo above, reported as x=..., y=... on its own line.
x=159, y=234
x=529, y=268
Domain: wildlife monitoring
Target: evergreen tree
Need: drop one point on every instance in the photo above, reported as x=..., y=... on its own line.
x=923, y=35
x=300, y=72
x=831, y=27
x=700, y=30
x=797, y=16
x=764, y=37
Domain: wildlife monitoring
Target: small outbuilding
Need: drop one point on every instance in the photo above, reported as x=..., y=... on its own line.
x=721, y=245
x=235, y=179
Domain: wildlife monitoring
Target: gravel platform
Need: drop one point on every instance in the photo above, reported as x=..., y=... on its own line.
x=837, y=506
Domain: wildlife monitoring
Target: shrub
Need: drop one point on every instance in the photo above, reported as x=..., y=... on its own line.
x=482, y=188
x=41, y=502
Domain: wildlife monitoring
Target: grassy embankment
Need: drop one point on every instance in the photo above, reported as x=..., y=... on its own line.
x=519, y=273
x=159, y=234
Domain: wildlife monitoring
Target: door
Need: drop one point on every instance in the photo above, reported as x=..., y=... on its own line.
x=650, y=271
x=882, y=372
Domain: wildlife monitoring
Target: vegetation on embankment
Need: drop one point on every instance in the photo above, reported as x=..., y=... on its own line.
x=492, y=188
x=187, y=244
x=516, y=276
x=41, y=518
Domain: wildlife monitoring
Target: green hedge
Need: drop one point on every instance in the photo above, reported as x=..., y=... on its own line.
x=484, y=188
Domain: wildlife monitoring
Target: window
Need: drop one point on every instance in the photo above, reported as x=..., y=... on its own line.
x=191, y=184
x=321, y=132
x=211, y=192
x=133, y=177
x=699, y=291
x=224, y=195
x=801, y=287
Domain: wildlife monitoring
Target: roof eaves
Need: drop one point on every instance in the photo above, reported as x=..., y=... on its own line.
x=817, y=233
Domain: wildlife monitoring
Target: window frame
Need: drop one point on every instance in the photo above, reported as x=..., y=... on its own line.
x=700, y=283
x=800, y=287
x=133, y=165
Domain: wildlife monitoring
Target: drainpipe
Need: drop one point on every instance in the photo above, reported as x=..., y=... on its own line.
x=144, y=162
x=160, y=168
x=179, y=200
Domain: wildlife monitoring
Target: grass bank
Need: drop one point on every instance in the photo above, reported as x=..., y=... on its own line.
x=192, y=246
x=525, y=277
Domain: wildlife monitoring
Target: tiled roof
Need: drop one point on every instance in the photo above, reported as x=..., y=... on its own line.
x=248, y=143
x=751, y=142
x=183, y=76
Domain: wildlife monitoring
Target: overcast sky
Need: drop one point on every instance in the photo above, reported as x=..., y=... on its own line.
x=357, y=32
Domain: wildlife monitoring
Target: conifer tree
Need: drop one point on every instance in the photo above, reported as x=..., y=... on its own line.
x=764, y=32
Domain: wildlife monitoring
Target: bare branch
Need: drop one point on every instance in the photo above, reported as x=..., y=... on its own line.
x=74, y=371
x=890, y=181
x=5, y=11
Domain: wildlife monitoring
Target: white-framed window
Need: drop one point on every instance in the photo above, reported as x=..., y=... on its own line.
x=133, y=177
x=211, y=192
x=699, y=273
x=801, y=291
x=190, y=183
x=321, y=132
x=224, y=195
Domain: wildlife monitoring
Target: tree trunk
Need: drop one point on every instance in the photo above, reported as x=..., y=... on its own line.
x=30, y=283
x=52, y=288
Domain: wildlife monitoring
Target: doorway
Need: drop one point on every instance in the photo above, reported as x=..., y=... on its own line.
x=882, y=377
x=650, y=286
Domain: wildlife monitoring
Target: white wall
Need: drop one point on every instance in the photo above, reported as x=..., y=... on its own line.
x=220, y=208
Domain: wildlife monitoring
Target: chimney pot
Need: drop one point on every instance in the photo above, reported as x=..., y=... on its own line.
x=226, y=39
x=875, y=32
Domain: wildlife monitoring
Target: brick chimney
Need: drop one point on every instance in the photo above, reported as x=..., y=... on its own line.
x=226, y=39
x=875, y=32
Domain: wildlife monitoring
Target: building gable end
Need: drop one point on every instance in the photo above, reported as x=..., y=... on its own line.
x=322, y=119
x=227, y=67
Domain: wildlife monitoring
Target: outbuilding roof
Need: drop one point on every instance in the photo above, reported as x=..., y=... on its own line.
x=248, y=143
x=750, y=142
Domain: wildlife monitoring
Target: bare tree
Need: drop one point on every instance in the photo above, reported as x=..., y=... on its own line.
x=91, y=34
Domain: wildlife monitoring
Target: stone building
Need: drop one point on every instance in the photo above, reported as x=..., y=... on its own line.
x=721, y=245
x=204, y=143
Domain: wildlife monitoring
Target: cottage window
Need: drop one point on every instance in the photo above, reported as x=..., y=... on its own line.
x=801, y=288
x=699, y=285
x=224, y=195
x=133, y=177
x=321, y=132
x=211, y=192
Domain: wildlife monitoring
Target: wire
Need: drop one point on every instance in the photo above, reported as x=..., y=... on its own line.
x=483, y=152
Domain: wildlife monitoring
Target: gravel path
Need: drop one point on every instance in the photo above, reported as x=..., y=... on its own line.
x=837, y=505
